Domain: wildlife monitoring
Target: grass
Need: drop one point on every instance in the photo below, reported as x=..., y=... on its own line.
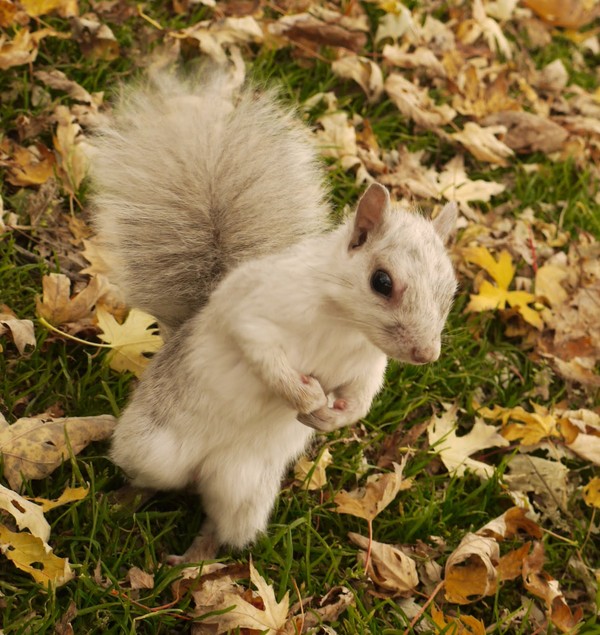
x=306, y=547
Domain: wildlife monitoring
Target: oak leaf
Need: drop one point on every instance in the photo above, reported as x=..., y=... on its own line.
x=130, y=341
x=33, y=447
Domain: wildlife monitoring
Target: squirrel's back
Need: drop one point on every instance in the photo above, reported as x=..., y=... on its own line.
x=190, y=179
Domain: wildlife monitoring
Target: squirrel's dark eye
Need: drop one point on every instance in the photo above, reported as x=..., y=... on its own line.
x=382, y=283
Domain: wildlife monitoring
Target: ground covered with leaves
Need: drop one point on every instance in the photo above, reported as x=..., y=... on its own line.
x=466, y=503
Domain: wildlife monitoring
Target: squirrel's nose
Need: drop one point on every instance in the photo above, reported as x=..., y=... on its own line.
x=424, y=354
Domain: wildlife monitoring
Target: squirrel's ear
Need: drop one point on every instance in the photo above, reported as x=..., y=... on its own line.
x=445, y=221
x=369, y=213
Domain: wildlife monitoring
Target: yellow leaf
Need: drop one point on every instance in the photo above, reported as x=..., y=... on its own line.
x=591, y=492
x=35, y=8
x=311, y=474
x=463, y=625
x=530, y=427
x=34, y=447
x=28, y=166
x=501, y=270
x=70, y=495
x=25, y=550
x=130, y=341
x=489, y=298
x=367, y=502
x=569, y=13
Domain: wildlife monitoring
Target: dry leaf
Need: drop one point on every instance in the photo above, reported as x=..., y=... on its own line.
x=131, y=341
x=414, y=102
x=337, y=139
x=572, y=14
x=21, y=330
x=544, y=586
x=420, y=58
x=363, y=71
x=27, y=515
x=529, y=427
x=369, y=501
x=33, y=447
x=64, y=8
x=27, y=166
x=138, y=579
x=548, y=284
x=59, y=81
x=311, y=475
x=22, y=49
x=591, y=492
x=96, y=40
x=483, y=144
x=455, y=185
x=526, y=132
x=268, y=620
x=470, y=570
x=462, y=625
x=70, y=495
x=68, y=140
x=25, y=550
x=58, y=307
x=455, y=451
x=491, y=297
x=389, y=568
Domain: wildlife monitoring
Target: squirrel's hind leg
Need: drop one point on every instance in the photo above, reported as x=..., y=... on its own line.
x=237, y=504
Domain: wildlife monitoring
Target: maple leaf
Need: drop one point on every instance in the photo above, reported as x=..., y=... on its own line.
x=130, y=341
x=530, y=427
x=492, y=297
x=455, y=451
x=369, y=501
x=268, y=620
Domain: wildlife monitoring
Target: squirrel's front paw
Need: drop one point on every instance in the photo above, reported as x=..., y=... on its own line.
x=309, y=395
x=328, y=419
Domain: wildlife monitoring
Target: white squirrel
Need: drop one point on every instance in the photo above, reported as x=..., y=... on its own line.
x=213, y=208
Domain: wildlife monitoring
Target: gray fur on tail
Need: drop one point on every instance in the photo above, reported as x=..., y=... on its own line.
x=189, y=180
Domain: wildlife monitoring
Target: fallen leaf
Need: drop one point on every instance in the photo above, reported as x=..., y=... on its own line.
x=70, y=495
x=414, y=103
x=462, y=625
x=591, y=492
x=455, y=451
x=25, y=550
x=244, y=614
x=95, y=39
x=483, y=144
x=526, y=132
x=68, y=140
x=421, y=58
x=388, y=567
x=363, y=71
x=369, y=501
x=58, y=307
x=572, y=14
x=470, y=571
x=491, y=297
x=548, y=284
x=27, y=166
x=138, y=579
x=21, y=330
x=544, y=586
x=311, y=475
x=529, y=427
x=455, y=185
x=27, y=515
x=136, y=337
x=59, y=81
x=337, y=139
x=33, y=447
x=64, y=8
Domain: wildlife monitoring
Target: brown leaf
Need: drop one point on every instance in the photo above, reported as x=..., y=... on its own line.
x=58, y=307
x=59, y=81
x=69, y=143
x=544, y=586
x=27, y=166
x=21, y=330
x=511, y=563
x=64, y=8
x=470, y=570
x=572, y=14
x=363, y=71
x=23, y=48
x=388, y=567
x=483, y=144
x=369, y=501
x=33, y=447
x=138, y=579
x=96, y=40
x=526, y=132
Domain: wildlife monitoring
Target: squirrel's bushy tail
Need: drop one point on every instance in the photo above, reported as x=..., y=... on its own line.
x=189, y=179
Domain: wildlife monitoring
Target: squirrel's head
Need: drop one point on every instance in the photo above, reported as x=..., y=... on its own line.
x=400, y=281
